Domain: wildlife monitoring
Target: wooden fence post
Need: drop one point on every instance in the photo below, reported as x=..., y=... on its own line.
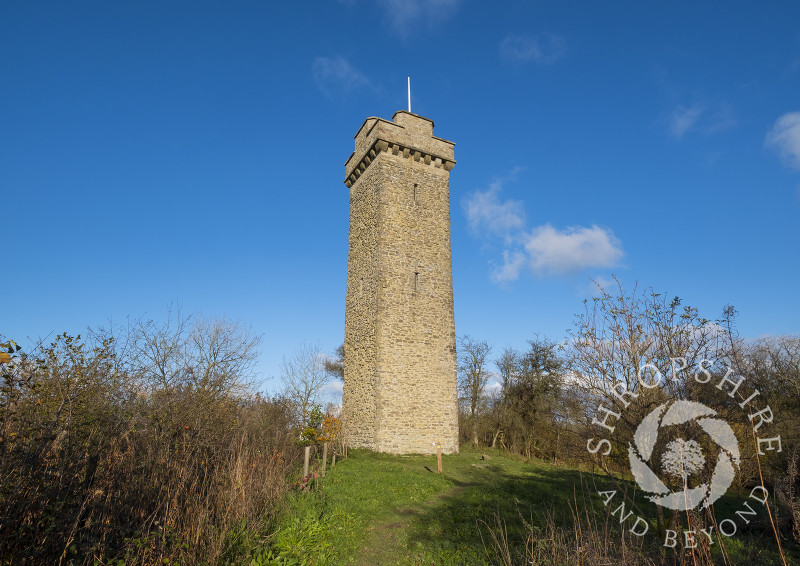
x=305, y=462
x=324, y=458
x=439, y=456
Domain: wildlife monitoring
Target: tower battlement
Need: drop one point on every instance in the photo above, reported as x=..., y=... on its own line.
x=409, y=134
x=400, y=350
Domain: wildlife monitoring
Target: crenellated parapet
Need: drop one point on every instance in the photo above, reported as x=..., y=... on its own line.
x=408, y=135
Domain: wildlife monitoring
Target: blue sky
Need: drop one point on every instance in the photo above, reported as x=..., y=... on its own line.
x=193, y=152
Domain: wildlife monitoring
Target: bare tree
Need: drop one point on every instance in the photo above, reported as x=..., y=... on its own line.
x=303, y=377
x=473, y=376
x=624, y=347
x=159, y=349
x=221, y=356
x=213, y=356
x=620, y=332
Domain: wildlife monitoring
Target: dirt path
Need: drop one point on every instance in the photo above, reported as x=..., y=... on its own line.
x=386, y=540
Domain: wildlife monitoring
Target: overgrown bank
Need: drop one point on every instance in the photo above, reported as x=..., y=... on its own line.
x=147, y=450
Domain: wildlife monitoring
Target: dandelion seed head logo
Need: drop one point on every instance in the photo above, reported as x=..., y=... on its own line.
x=684, y=459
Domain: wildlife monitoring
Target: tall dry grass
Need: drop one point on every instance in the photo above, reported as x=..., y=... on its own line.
x=587, y=541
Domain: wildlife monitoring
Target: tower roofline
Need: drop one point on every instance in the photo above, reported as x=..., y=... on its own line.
x=394, y=116
x=407, y=133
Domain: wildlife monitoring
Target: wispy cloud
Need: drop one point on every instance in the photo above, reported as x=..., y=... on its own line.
x=784, y=136
x=513, y=263
x=543, y=48
x=721, y=119
x=404, y=17
x=543, y=250
x=336, y=77
x=485, y=211
x=706, y=119
x=684, y=119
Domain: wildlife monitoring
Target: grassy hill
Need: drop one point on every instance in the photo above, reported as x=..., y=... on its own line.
x=376, y=509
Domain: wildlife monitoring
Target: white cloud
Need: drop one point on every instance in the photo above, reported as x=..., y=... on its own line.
x=544, y=48
x=337, y=77
x=334, y=388
x=513, y=262
x=493, y=388
x=485, y=211
x=785, y=137
x=684, y=119
x=549, y=251
x=407, y=16
x=572, y=249
x=332, y=391
x=544, y=250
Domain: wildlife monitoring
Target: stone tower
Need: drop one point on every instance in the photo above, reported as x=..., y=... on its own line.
x=400, y=346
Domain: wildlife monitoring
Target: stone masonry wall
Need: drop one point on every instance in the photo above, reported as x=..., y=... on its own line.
x=361, y=313
x=400, y=350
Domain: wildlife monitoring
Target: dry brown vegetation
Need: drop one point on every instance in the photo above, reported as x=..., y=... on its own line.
x=146, y=447
x=587, y=543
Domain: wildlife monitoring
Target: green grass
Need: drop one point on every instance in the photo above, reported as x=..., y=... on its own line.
x=381, y=509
